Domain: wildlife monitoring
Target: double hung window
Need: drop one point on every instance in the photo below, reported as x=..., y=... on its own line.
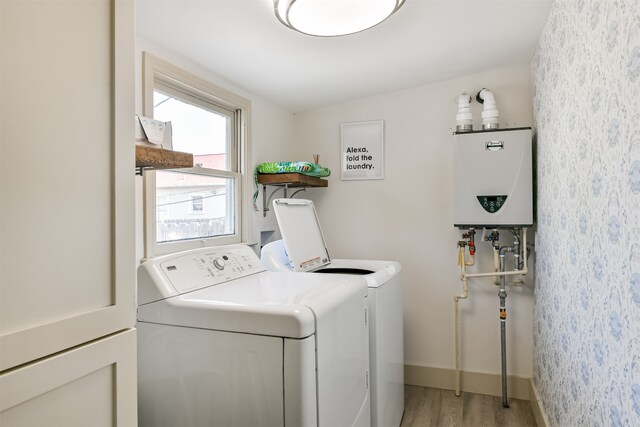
x=188, y=208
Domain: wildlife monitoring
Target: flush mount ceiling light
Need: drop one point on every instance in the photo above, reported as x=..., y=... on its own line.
x=327, y=18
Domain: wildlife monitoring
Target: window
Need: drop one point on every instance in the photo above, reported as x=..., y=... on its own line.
x=202, y=200
x=186, y=208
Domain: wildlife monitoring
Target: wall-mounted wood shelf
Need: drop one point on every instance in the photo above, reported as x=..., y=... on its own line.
x=157, y=158
x=292, y=180
x=285, y=181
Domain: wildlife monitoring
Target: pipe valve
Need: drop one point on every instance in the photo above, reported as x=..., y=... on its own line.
x=472, y=244
x=494, y=238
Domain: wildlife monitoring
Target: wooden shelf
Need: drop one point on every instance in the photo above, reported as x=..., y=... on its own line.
x=285, y=181
x=292, y=180
x=158, y=158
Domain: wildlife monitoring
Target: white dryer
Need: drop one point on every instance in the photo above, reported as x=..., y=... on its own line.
x=303, y=249
x=222, y=342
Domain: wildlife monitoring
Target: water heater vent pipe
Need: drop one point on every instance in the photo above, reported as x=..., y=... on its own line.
x=464, y=118
x=490, y=113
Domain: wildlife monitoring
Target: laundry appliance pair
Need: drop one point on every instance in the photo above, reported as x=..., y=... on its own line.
x=303, y=249
x=222, y=341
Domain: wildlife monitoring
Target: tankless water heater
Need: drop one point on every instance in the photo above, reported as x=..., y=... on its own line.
x=493, y=184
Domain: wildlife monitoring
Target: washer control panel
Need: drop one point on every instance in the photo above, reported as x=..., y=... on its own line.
x=204, y=267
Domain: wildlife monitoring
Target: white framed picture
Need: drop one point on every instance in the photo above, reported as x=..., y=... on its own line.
x=362, y=150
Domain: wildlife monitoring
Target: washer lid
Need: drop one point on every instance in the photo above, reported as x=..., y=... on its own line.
x=276, y=304
x=302, y=235
x=383, y=271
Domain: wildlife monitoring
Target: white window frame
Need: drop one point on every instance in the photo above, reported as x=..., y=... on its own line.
x=159, y=74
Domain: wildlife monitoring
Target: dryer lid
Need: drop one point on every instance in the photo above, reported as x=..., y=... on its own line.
x=302, y=235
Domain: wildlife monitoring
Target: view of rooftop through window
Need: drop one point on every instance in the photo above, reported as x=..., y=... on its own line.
x=192, y=206
x=195, y=129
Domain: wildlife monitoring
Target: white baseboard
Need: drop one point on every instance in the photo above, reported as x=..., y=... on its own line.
x=475, y=382
x=538, y=409
x=472, y=382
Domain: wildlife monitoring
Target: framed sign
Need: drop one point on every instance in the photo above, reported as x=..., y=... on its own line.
x=362, y=150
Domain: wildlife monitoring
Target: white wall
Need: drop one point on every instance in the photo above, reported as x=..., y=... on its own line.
x=408, y=216
x=271, y=130
x=405, y=217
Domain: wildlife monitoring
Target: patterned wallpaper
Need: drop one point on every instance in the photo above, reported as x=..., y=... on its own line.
x=587, y=298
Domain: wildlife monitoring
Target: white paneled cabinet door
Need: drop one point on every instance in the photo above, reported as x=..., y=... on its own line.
x=67, y=260
x=91, y=385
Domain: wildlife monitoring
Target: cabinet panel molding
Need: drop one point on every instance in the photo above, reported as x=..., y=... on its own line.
x=67, y=273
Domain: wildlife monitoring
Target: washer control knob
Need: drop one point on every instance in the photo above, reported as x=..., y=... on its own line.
x=219, y=263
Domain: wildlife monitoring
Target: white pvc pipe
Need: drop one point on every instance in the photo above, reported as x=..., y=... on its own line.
x=506, y=273
x=464, y=118
x=490, y=113
x=496, y=264
x=465, y=293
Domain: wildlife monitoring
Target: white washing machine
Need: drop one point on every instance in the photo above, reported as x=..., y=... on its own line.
x=223, y=342
x=303, y=249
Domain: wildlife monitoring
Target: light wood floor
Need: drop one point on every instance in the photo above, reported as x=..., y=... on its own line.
x=439, y=408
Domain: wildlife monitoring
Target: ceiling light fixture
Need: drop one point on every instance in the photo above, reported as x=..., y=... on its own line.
x=328, y=18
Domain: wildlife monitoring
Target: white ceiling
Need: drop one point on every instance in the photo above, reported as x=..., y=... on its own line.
x=424, y=42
